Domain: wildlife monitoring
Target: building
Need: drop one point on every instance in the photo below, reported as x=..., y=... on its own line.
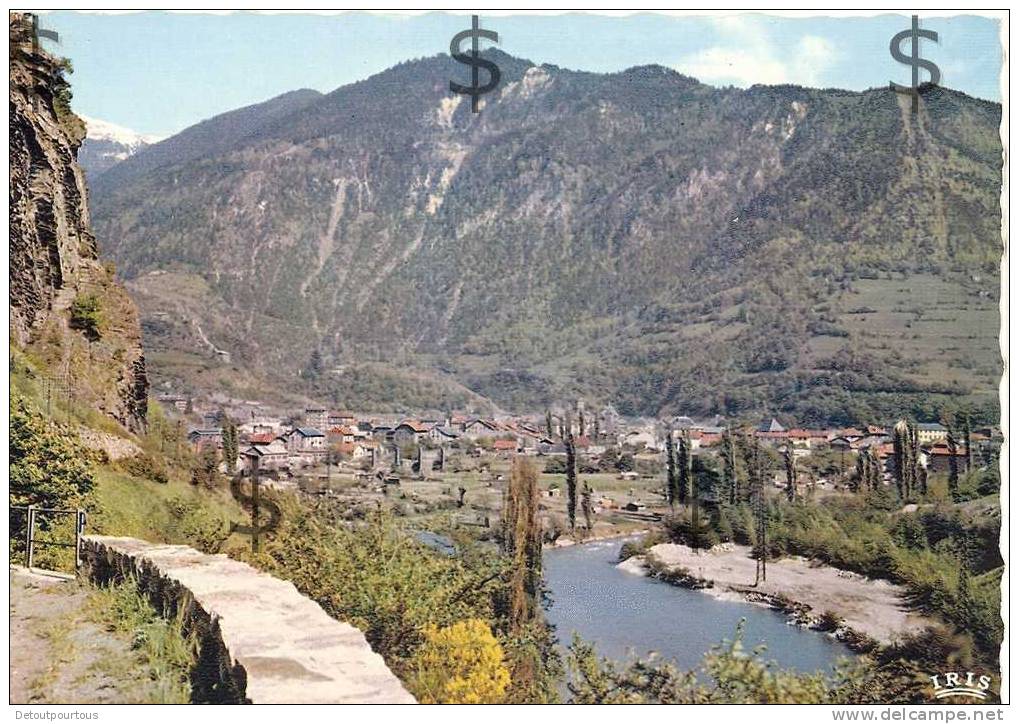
x=340, y=434
x=939, y=458
x=441, y=434
x=770, y=425
x=316, y=418
x=608, y=420
x=202, y=439
x=341, y=418
x=174, y=403
x=505, y=446
x=354, y=450
x=930, y=432
x=271, y=456
x=409, y=431
x=478, y=428
x=307, y=442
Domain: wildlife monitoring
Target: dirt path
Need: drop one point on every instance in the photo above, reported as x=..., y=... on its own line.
x=875, y=608
x=59, y=656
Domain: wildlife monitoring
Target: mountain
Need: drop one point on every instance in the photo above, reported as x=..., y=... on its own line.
x=210, y=137
x=69, y=317
x=635, y=237
x=107, y=144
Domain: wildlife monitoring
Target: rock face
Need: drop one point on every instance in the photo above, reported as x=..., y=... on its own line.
x=262, y=642
x=54, y=259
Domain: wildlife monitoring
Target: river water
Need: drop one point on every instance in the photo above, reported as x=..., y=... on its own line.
x=625, y=614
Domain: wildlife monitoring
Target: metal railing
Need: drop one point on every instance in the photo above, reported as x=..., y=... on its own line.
x=32, y=513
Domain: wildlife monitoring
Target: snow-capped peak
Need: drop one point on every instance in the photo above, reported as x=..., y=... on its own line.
x=99, y=130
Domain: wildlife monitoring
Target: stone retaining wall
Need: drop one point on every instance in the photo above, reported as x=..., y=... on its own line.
x=261, y=641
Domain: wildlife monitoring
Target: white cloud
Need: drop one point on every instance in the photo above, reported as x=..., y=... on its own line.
x=753, y=58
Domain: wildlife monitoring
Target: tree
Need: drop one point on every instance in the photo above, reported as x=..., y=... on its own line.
x=967, y=441
x=671, y=481
x=231, y=444
x=790, y=474
x=548, y=423
x=685, y=465
x=521, y=541
x=580, y=422
x=315, y=366
x=729, y=466
x=587, y=506
x=571, y=479
x=206, y=471
x=953, y=462
x=459, y=664
x=901, y=448
x=49, y=467
x=760, y=515
x=915, y=469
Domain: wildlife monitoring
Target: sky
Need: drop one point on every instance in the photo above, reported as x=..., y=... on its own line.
x=158, y=73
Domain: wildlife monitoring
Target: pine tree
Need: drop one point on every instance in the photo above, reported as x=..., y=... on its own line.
x=548, y=423
x=671, y=482
x=790, y=474
x=571, y=480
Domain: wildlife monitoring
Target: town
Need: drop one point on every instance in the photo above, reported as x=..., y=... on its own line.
x=458, y=460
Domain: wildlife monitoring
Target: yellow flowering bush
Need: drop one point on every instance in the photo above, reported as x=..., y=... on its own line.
x=459, y=664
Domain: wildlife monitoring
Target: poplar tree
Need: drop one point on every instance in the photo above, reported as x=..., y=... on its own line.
x=671, y=483
x=914, y=460
x=685, y=464
x=790, y=474
x=521, y=541
x=760, y=516
x=900, y=446
x=230, y=444
x=571, y=480
x=967, y=440
x=953, y=463
x=587, y=506
x=859, y=477
x=729, y=466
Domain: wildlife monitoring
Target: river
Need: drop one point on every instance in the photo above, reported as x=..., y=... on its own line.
x=625, y=614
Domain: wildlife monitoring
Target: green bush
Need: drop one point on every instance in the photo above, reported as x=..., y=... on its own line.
x=87, y=315
x=148, y=466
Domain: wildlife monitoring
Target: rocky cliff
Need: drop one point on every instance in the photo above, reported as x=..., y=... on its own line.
x=66, y=310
